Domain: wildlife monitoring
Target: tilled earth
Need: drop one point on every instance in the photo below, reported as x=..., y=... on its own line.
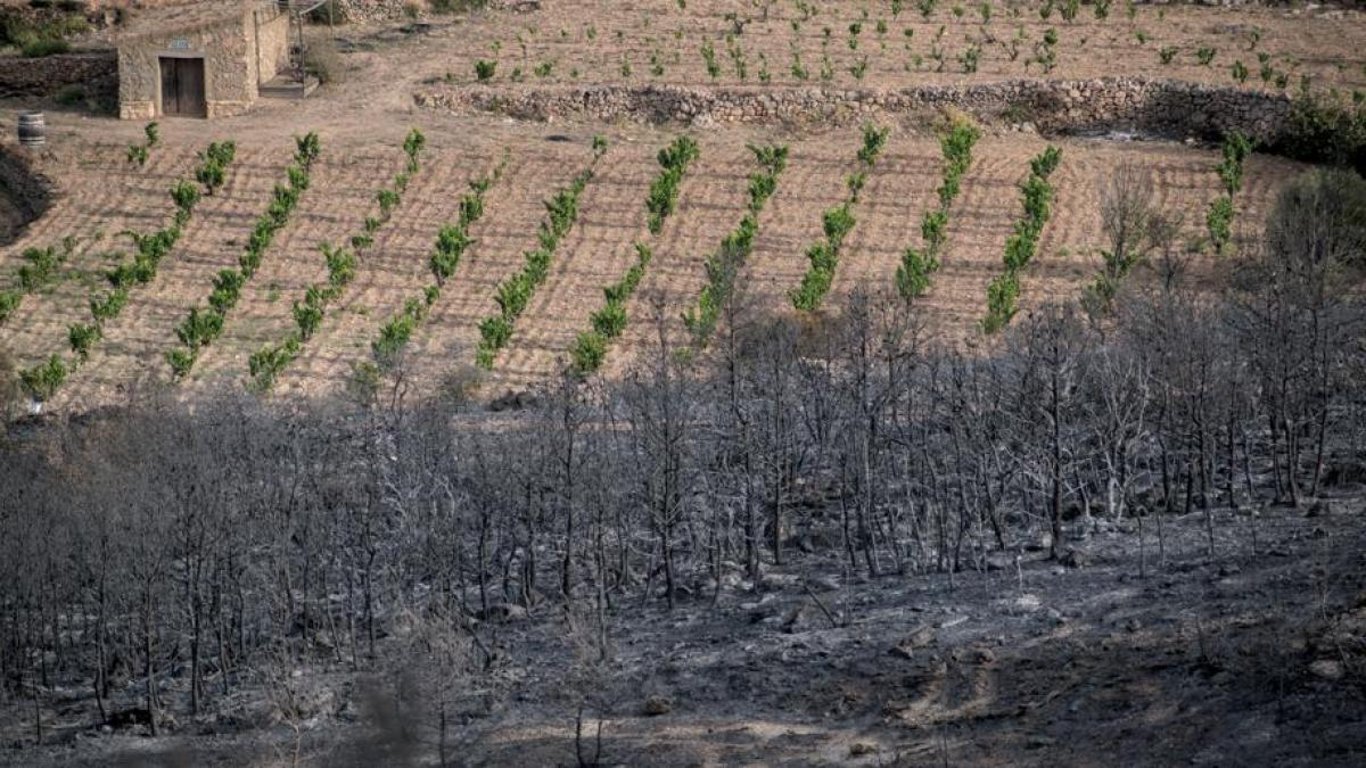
x=1254, y=655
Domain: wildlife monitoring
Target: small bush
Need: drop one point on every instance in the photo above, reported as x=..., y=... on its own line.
x=82, y=338
x=9, y=302
x=44, y=46
x=484, y=70
x=41, y=382
x=323, y=61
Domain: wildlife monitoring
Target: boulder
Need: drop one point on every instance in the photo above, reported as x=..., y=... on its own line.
x=921, y=637
x=657, y=704
x=1327, y=669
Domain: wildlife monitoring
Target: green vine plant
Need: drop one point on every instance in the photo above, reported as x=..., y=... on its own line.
x=213, y=164
x=138, y=153
x=42, y=381
x=1004, y=290
x=609, y=322
x=39, y=270
x=514, y=293
x=266, y=364
x=1219, y=219
x=914, y=274
x=837, y=223
x=205, y=324
x=723, y=265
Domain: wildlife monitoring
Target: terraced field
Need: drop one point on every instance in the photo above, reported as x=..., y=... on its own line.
x=872, y=44
x=362, y=123
x=598, y=249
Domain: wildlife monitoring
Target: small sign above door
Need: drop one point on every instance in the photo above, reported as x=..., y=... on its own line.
x=180, y=44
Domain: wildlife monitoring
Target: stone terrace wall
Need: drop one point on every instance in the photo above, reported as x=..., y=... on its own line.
x=98, y=72
x=1166, y=108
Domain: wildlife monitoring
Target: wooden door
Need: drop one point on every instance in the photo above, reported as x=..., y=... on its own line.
x=182, y=87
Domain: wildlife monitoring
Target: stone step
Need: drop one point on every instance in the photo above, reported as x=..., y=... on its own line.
x=286, y=87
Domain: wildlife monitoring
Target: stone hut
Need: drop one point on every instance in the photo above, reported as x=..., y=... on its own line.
x=203, y=60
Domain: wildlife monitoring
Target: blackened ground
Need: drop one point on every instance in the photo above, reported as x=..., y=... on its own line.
x=1254, y=655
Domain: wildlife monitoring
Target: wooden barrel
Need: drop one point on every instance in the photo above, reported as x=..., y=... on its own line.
x=32, y=129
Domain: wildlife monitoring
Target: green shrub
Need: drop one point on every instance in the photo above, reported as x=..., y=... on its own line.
x=82, y=337
x=1325, y=129
x=663, y=195
x=307, y=316
x=1002, y=297
x=42, y=265
x=42, y=381
x=1235, y=149
x=227, y=287
x=874, y=139
x=913, y=274
x=413, y=144
x=1219, y=222
x=39, y=47
x=709, y=59
x=917, y=265
x=185, y=195
x=590, y=349
x=9, y=302
x=1003, y=291
x=110, y=306
x=608, y=323
x=723, y=264
x=484, y=70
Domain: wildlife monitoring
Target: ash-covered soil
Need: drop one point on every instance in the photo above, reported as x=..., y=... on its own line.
x=1150, y=652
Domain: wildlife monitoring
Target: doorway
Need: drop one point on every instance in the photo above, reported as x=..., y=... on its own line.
x=182, y=87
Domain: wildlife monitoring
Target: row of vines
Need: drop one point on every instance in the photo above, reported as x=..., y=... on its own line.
x=609, y=322
x=837, y=223
x=452, y=243
x=42, y=381
x=1004, y=290
x=913, y=276
x=203, y=325
x=514, y=293
x=266, y=364
x=723, y=265
x=1219, y=219
x=39, y=270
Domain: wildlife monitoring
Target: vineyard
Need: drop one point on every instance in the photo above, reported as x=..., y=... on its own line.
x=454, y=279
x=308, y=257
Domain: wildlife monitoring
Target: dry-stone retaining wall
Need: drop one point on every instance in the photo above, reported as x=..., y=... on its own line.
x=97, y=72
x=1166, y=108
